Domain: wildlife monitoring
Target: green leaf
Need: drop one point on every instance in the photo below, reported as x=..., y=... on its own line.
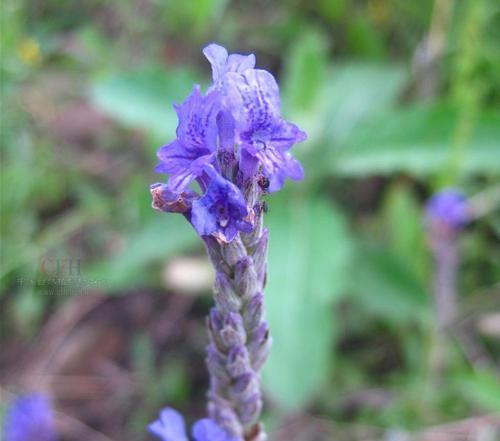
x=350, y=94
x=164, y=237
x=309, y=250
x=418, y=140
x=385, y=286
x=305, y=70
x=143, y=99
x=364, y=38
x=482, y=387
x=404, y=227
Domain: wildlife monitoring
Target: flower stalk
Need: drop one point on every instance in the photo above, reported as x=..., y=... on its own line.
x=233, y=143
x=239, y=334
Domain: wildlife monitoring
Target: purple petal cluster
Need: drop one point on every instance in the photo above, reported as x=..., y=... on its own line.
x=227, y=140
x=30, y=418
x=170, y=426
x=449, y=209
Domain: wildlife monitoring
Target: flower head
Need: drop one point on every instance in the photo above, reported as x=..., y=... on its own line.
x=170, y=426
x=30, y=418
x=226, y=141
x=449, y=209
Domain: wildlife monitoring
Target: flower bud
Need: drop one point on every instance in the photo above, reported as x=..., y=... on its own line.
x=233, y=333
x=253, y=314
x=245, y=278
x=225, y=297
x=238, y=361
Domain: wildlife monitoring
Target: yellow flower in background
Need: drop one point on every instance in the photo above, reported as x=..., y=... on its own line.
x=379, y=11
x=29, y=51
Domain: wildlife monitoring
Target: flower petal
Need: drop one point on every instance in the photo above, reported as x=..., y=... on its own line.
x=277, y=166
x=222, y=63
x=197, y=126
x=170, y=426
x=175, y=157
x=253, y=97
x=179, y=181
x=207, y=430
x=240, y=63
x=30, y=418
x=217, y=56
x=225, y=124
x=285, y=135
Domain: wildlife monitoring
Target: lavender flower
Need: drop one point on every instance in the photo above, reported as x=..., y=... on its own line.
x=221, y=211
x=30, y=418
x=171, y=427
x=185, y=158
x=235, y=145
x=263, y=134
x=449, y=209
x=447, y=212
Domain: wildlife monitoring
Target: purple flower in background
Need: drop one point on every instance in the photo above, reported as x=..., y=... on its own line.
x=207, y=430
x=170, y=426
x=221, y=211
x=447, y=212
x=448, y=208
x=264, y=135
x=30, y=418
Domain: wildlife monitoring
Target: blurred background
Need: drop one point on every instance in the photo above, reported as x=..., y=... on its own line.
x=103, y=299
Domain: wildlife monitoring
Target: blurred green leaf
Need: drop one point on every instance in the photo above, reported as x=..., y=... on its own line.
x=404, y=228
x=418, y=140
x=351, y=94
x=309, y=250
x=161, y=239
x=364, y=37
x=359, y=91
x=386, y=286
x=143, y=99
x=482, y=387
x=28, y=309
x=142, y=356
x=196, y=15
x=305, y=70
x=332, y=10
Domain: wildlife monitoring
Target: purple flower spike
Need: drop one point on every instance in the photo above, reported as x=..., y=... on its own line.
x=234, y=143
x=222, y=211
x=448, y=208
x=186, y=157
x=30, y=418
x=263, y=134
x=170, y=426
x=208, y=430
